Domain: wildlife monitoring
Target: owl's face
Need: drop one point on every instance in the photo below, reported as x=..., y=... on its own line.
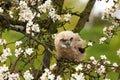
x=66, y=43
x=64, y=39
x=69, y=46
x=71, y=41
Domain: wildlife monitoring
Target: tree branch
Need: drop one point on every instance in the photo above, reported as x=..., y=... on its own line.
x=84, y=16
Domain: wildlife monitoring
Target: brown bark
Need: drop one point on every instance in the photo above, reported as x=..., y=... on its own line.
x=84, y=16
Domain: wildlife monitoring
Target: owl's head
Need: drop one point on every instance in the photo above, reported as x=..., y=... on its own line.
x=64, y=39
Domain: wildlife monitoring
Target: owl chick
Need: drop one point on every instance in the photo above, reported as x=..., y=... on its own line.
x=69, y=46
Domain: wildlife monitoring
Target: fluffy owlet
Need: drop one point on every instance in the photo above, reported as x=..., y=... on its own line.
x=69, y=46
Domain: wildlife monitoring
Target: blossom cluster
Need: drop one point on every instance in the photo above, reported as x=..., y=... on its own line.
x=19, y=50
x=5, y=74
x=47, y=75
x=28, y=75
x=102, y=40
x=112, y=15
x=109, y=31
x=27, y=14
x=6, y=53
x=99, y=67
x=1, y=10
x=54, y=16
x=109, y=12
x=2, y=41
x=46, y=6
x=84, y=70
x=32, y=28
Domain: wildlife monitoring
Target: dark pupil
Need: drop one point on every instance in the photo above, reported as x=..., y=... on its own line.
x=71, y=39
x=63, y=40
x=82, y=50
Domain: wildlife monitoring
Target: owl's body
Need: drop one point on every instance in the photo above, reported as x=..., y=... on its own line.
x=69, y=46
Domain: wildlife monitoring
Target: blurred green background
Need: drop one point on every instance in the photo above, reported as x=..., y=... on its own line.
x=92, y=32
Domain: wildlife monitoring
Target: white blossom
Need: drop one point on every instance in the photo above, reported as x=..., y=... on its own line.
x=18, y=51
x=38, y=15
x=2, y=41
x=28, y=30
x=3, y=68
x=42, y=9
x=67, y=17
x=46, y=6
x=53, y=15
x=51, y=76
x=90, y=43
x=115, y=64
x=92, y=58
x=27, y=75
x=44, y=76
x=79, y=67
x=107, y=62
x=108, y=31
x=102, y=39
x=52, y=67
x=78, y=76
x=105, y=30
x=25, y=13
x=4, y=72
x=35, y=27
x=53, y=36
x=103, y=57
x=118, y=52
x=108, y=12
x=14, y=76
x=101, y=70
x=29, y=23
x=6, y=53
x=18, y=43
x=46, y=70
x=58, y=78
x=23, y=4
x=29, y=51
x=88, y=66
x=3, y=59
x=95, y=62
x=11, y=14
x=1, y=10
x=31, y=28
x=47, y=75
x=110, y=28
x=106, y=79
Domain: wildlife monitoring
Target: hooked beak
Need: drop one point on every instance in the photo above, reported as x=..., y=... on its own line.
x=68, y=43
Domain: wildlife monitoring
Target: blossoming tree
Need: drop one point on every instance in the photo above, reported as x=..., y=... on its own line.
x=38, y=21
